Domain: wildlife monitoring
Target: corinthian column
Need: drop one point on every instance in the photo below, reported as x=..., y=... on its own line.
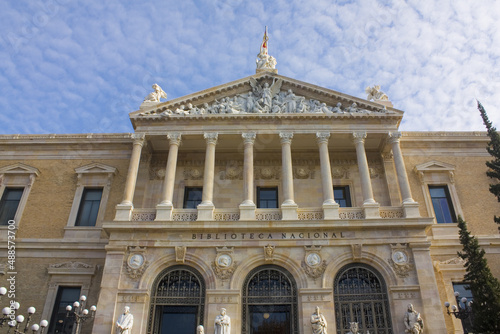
x=165, y=208
x=247, y=207
x=288, y=207
x=371, y=207
x=330, y=208
x=409, y=205
x=125, y=208
x=206, y=208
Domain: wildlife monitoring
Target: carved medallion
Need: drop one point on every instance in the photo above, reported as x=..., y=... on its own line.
x=224, y=265
x=400, y=260
x=136, y=262
x=313, y=265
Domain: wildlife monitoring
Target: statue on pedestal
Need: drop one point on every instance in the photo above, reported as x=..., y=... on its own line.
x=200, y=330
x=125, y=322
x=264, y=60
x=413, y=322
x=318, y=322
x=375, y=94
x=222, y=323
x=156, y=95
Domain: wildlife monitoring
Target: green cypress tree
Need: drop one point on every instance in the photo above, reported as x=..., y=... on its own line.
x=494, y=150
x=484, y=286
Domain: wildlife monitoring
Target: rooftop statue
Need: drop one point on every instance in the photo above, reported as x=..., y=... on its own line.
x=375, y=94
x=156, y=95
x=264, y=60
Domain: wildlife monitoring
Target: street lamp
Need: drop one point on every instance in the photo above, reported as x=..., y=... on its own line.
x=463, y=311
x=80, y=313
x=14, y=324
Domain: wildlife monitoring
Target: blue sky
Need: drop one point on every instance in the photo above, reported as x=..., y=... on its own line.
x=81, y=67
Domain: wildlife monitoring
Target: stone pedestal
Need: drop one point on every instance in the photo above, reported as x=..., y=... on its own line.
x=124, y=212
x=206, y=212
x=371, y=210
x=247, y=211
x=164, y=212
x=289, y=212
x=411, y=210
x=330, y=211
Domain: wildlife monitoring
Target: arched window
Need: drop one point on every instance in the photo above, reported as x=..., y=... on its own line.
x=269, y=302
x=177, y=301
x=360, y=296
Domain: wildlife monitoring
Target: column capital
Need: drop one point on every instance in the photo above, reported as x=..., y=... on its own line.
x=211, y=137
x=248, y=137
x=138, y=138
x=286, y=137
x=359, y=136
x=394, y=137
x=174, y=138
x=322, y=137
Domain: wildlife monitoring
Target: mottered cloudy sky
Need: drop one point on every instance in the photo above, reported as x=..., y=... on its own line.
x=70, y=66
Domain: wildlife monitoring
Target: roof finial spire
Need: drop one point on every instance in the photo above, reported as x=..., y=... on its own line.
x=264, y=61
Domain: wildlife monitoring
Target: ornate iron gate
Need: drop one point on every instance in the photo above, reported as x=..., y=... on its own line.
x=270, y=291
x=360, y=296
x=177, y=289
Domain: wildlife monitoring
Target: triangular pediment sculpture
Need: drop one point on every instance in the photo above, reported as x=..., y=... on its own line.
x=265, y=94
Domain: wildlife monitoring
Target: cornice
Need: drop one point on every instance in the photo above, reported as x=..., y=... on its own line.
x=66, y=138
x=433, y=135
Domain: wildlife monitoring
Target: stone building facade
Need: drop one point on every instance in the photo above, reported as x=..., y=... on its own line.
x=265, y=196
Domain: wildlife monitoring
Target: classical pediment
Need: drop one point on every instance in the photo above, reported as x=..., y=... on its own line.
x=19, y=168
x=95, y=168
x=264, y=95
x=434, y=166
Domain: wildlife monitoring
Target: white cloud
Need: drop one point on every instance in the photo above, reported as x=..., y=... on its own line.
x=64, y=65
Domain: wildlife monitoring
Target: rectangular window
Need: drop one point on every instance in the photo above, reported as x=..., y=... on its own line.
x=342, y=196
x=89, y=207
x=9, y=204
x=267, y=197
x=192, y=197
x=58, y=322
x=441, y=201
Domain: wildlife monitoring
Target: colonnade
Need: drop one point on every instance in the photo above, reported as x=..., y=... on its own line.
x=288, y=206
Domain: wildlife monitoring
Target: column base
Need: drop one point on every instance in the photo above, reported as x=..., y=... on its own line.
x=206, y=212
x=124, y=212
x=371, y=210
x=330, y=210
x=247, y=211
x=289, y=211
x=164, y=211
x=411, y=210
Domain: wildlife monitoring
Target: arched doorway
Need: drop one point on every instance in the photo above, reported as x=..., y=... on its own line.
x=269, y=302
x=360, y=295
x=177, y=301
